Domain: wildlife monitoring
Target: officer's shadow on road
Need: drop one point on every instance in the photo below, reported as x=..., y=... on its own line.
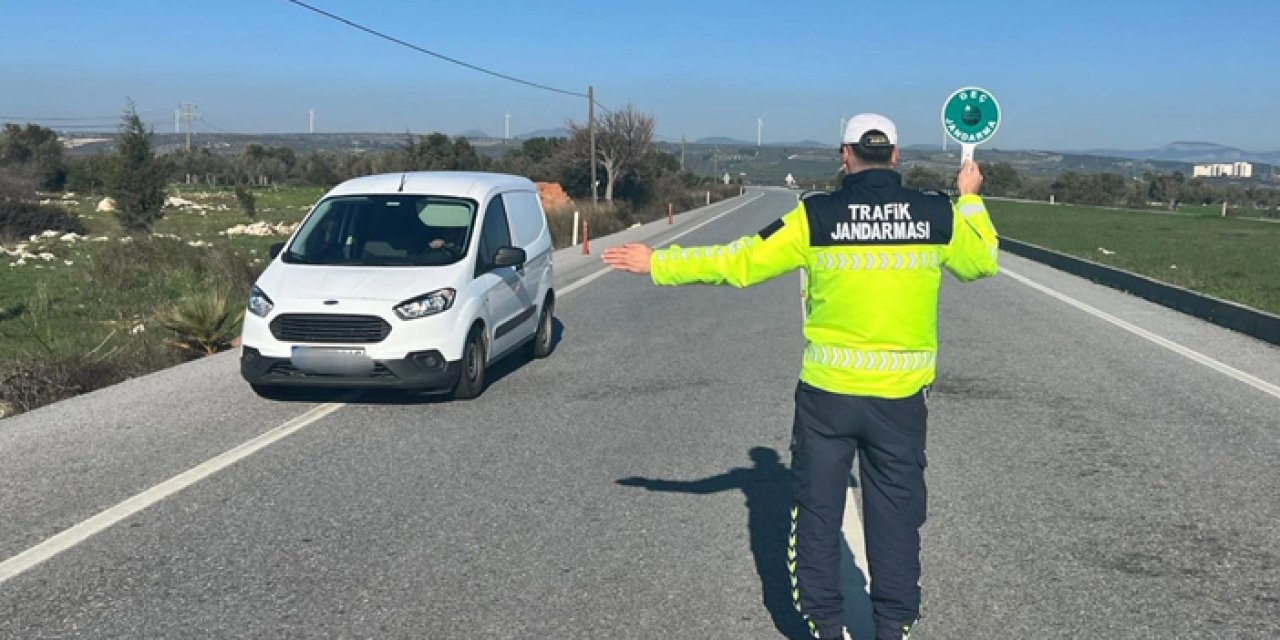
x=495, y=373
x=765, y=486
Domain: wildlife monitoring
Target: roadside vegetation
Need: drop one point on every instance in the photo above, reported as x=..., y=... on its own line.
x=116, y=265
x=1156, y=191
x=1231, y=258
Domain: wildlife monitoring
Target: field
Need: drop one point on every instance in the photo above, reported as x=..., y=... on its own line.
x=90, y=288
x=1233, y=258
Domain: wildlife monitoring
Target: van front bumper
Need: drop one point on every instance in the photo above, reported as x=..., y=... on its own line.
x=418, y=371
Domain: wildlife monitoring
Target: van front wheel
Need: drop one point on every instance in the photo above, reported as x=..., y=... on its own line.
x=471, y=379
x=543, y=338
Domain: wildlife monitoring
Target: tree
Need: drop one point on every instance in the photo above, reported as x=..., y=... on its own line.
x=539, y=159
x=923, y=178
x=317, y=169
x=37, y=150
x=248, y=203
x=623, y=139
x=1001, y=179
x=1165, y=188
x=137, y=179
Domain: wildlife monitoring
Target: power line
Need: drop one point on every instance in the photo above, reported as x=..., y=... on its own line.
x=441, y=56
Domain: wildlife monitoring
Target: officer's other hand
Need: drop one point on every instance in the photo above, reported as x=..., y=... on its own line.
x=633, y=257
x=969, y=180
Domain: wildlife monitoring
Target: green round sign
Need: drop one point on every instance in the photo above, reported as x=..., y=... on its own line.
x=971, y=115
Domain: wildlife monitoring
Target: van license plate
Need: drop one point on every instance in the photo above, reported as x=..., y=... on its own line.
x=333, y=361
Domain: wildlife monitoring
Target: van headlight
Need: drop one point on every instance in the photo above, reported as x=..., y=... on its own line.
x=259, y=304
x=426, y=305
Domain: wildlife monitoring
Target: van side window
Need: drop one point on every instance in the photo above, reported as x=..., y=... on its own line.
x=525, y=215
x=495, y=235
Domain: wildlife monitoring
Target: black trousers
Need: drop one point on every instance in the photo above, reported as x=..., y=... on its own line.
x=889, y=438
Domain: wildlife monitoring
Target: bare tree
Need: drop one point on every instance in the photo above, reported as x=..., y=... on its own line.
x=623, y=139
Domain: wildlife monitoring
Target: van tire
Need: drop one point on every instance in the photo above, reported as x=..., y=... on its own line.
x=471, y=378
x=544, y=337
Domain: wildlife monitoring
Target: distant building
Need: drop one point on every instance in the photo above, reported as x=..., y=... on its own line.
x=1223, y=170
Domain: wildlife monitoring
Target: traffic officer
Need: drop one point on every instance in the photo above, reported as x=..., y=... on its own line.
x=873, y=252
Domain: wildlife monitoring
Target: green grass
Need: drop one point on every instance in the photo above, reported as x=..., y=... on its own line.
x=100, y=292
x=1231, y=258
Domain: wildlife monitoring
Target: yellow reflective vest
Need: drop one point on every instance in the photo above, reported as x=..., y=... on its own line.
x=873, y=253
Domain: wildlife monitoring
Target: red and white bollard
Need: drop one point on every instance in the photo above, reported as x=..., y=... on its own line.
x=586, y=239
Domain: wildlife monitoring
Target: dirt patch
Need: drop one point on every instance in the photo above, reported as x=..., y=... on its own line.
x=553, y=196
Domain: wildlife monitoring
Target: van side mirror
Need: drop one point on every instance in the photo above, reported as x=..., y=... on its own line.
x=509, y=257
x=276, y=249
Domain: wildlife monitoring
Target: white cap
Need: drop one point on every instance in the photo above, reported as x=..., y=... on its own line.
x=863, y=123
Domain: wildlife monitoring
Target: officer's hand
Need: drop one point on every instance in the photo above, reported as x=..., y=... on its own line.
x=633, y=257
x=969, y=180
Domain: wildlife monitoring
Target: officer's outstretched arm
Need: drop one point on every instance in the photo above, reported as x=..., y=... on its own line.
x=777, y=249
x=971, y=254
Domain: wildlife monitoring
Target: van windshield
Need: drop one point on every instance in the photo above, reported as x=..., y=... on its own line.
x=385, y=231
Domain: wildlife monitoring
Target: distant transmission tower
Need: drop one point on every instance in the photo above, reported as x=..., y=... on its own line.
x=311, y=121
x=189, y=112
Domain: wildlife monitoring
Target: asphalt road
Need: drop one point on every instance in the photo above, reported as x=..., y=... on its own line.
x=1086, y=481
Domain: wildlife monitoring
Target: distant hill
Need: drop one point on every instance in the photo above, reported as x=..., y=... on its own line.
x=558, y=132
x=1192, y=152
x=724, y=140
x=474, y=133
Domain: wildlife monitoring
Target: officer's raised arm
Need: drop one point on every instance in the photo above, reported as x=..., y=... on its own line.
x=972, y=252
x=777, y=249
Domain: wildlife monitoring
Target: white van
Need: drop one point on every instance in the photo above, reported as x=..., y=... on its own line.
x=408, y=280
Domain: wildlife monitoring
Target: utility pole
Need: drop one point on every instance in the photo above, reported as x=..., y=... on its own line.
x=591, y=128
x=681, y=154
x=311, y=121
x=189, y=113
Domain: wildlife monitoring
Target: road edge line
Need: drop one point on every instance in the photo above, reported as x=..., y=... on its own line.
x=1191, y=354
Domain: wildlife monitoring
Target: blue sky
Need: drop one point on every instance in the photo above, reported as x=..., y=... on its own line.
x=1069, y=75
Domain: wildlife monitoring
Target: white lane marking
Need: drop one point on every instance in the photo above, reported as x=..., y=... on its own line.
x=105, y=519
x=582, y=282
x=96, y=524
x=598, y=274
x=1191, y=354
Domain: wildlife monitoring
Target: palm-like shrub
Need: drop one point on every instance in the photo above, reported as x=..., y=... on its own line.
x=203, y=322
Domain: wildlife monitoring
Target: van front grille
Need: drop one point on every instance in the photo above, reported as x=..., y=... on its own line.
x=329, y=328
x=286, y=369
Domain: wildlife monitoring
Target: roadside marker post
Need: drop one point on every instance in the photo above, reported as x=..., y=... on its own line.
x=669, y=213
x=970, y=116
x=586, y=239
x=575, y=228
